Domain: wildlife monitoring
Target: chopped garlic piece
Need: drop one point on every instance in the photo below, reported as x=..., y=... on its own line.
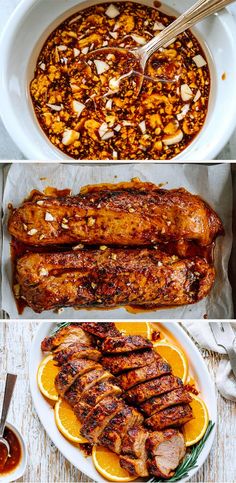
x=48, y=217
x=183, y=112
x=158, y=26
x=78, y=107
x=32, y=232
x=140, y=40
x=199, y=60
x=142, y=126
x=43, y=272
x=69, y=137
x=85, y=50
x=103, y=129
x=62, y=48
x=76, y=52
x=114, y=35
x=112, y=11
x=114, y=84
x=40, y=202
x=101, y=66
x=64, y=226
x=108, y=135
x=173, y=139
x=186, y=92
x=109, y=104
x=54, y=107
x=117, y=128
x=42, y=66
x=197, y=96
x=78, y=247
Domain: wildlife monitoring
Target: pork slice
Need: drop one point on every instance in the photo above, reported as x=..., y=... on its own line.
x=170, y=417
x=165, y=450
x=134, y=441
x=85, y=383
x=116, y=429
x=71, y=371
x=123, y=362
x=136, y=467
x=171, y=398
x=121, y=344
x=131, y=378
x=101, y=329
x=142, y=392
x=65, y=336
x=99, y=416
x=76, y=351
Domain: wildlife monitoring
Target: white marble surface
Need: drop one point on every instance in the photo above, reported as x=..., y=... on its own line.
x=8, y=150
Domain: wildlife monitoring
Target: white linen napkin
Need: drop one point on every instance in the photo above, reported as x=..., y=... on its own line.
x=225, y=379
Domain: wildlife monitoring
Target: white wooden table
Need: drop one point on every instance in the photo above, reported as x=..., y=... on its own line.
x=45, y=462
x=8, y=150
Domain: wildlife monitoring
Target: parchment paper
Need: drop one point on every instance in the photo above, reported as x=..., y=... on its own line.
x=213, y=183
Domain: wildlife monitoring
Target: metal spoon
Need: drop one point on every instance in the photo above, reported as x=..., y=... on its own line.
x=198, y=11
x=9, y=387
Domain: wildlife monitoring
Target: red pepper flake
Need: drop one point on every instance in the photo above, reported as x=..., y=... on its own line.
x=86, y=448
x=156, y=335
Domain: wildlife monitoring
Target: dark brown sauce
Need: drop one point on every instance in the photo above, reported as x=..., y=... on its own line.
x=15, y=453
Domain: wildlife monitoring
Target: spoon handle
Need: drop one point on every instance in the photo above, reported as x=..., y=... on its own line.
x=9, y=387
x=197, y=12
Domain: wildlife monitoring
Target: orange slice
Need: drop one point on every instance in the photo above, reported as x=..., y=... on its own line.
x=67, y=422
x=134, y=328
x=175, y=357
x=47, y=372
x=107, y=464
x=195, y=429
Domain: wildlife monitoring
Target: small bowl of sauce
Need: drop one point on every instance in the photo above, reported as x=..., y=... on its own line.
x=14, y=466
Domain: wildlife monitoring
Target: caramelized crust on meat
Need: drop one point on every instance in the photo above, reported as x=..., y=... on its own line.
x=146, y=390
x=158, y=368
x=100, y=390
x=122, y=362
x=170, y=417
x=82, y=409
x=111, y=278
x=116, y=345
x=114, y=432
x=85, y=383
x=70, y=371
x=99, y=417
x=165, y=451
x=76, y=351
x=71, y=334
x=119, y=217
x=101, y=329
x=134, y=466
x=156, y=404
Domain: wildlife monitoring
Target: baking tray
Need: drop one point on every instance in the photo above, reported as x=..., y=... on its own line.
x=4, y=167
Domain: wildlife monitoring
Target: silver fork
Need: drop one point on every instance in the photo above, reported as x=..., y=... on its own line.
x=225, y=337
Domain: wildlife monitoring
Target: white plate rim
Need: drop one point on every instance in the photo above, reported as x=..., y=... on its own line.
x=64, y=446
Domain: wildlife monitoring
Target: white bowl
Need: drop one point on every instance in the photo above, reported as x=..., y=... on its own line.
x=74, y=455
x=29, y=27
x=21, y=467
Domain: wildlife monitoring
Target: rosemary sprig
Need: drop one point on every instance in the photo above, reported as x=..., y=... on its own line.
x=190, y=461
